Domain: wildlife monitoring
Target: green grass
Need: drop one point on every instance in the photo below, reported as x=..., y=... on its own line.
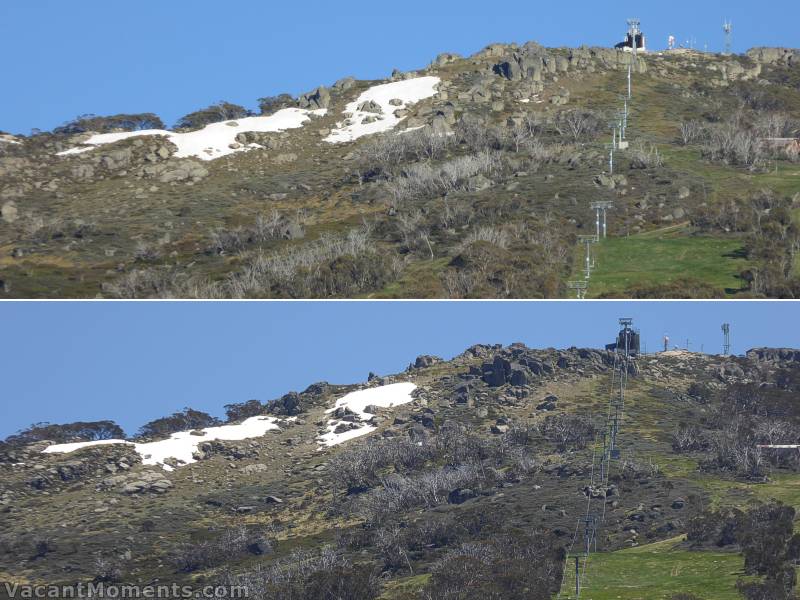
x=658, y=571
x=665, y=256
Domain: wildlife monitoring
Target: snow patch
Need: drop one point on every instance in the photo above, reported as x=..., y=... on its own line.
x=387, y=396
x=408, y=92
x=182, y=445
x=214, y=140
x=9, y=139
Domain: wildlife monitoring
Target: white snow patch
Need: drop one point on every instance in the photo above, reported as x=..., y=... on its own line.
x=183, y=444
x=408, y=91
x=385, y=396
x=9, y=139
x=214, y=140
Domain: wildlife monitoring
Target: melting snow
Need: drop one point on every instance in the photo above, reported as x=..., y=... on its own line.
x=385, y=396
x=183, y=444
x=408, y=92
x=9, y=139
x=213, y=141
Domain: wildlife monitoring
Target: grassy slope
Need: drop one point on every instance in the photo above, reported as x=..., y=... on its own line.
x=659, y=570
x=662, y=256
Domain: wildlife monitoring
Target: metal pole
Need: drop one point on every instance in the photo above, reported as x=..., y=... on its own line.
x=605, y=223
x=611, y=161
x=588, y=261
x=630, y=88
x=597, y=222
x=577, y=576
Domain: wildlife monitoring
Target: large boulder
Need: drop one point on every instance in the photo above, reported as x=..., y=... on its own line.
x=316, y=99
x=774, y=355
x=771, y=56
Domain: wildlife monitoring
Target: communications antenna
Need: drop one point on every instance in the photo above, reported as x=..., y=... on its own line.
x=727, y=27
x=580, y=288
x=726, y=345
x=601, y=207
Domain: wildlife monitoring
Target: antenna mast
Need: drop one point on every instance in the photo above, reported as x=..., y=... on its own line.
x=726, y=345
x=727, y=27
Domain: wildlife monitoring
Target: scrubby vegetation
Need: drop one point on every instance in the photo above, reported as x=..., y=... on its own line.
x=184, y=420
x=66, y=433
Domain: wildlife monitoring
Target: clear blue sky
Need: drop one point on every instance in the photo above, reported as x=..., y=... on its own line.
x=61, y=58
x=133, y=362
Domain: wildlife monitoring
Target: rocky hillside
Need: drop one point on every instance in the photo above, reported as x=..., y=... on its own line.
x=484, y=460
x=471, y=177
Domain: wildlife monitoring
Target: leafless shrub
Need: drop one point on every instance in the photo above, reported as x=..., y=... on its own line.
x=381, y=156
x=478, y=136
x=419, y=181
x=632, y=468
x=307, y=575
x=734, y=449
x=567, y=432
x=160, y=282
x=40, y=229
x=146, y=252
x=358, y=466
x=195, y=556
x=310, y=270
x=645, y=156
x=732, y=142
x=456, y=212
x=226, y=241
x=691, y=131
x=776, y=125
x=392, y=545
x=265, y=228
x=498, y=236
x=577, y=124
x=688, y=438
x=107, y=568
x=458, y=283
x=430, y=488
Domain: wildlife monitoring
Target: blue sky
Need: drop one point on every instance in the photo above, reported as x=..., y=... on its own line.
x=61, y=58
x=133, y=362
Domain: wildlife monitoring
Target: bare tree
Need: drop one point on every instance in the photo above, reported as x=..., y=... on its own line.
x=576, y=123
x=691, y=131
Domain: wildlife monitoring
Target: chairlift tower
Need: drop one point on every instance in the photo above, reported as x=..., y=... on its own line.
x=726, y=344
x=625, y=113
x=612, y=147
x=618, y=403
x=630, y=81
x=727, y=27
x=580, y=288
x=588, y=240
x=601, y=207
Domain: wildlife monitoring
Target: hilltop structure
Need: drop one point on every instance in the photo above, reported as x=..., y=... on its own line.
x=635, y=40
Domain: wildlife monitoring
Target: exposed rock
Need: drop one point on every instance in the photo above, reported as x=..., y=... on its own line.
x=315, y=100
x=370, y=106
x=253, y=469
x=460, y=496
x=424, y=361
x=9, y=212
x=774, y=355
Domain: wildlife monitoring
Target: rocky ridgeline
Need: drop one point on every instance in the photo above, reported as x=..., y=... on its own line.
x=498, y=78
x=776, y=356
